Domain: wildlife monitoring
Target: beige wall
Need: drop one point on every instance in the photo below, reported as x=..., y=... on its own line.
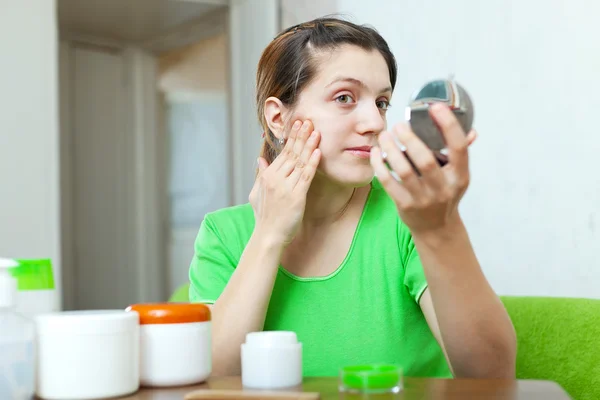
x=29, y=133
x=197, y=68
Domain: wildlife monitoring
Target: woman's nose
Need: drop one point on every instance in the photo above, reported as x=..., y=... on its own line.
x=371, y=120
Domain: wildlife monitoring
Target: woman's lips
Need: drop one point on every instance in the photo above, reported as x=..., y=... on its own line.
x=360, y=151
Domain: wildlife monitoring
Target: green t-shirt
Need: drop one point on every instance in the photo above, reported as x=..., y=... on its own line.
x=366, y=311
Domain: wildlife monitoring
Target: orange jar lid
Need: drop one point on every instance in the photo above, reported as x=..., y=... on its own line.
x=171, y=313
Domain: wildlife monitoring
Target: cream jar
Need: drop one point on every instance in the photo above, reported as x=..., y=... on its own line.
x=175, y=343
x=87, y=354
x=271, y=360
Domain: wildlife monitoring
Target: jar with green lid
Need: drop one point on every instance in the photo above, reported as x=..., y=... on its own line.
x=371, y=379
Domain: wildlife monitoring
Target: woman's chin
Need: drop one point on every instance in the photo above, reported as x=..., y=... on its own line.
x=350, y=177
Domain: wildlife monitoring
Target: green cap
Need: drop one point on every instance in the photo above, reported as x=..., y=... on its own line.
x=33, y=274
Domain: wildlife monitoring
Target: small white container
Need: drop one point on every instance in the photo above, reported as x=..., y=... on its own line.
x=271, y=360
x=87, y=354
x=175, y=343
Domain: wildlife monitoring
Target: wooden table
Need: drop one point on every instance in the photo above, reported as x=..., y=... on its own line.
x=414, y=389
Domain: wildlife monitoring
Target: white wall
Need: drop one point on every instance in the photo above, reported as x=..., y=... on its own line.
x=533, y=209
x=29, y=139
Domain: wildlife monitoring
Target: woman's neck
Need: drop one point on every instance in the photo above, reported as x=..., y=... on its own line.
x=327, y=202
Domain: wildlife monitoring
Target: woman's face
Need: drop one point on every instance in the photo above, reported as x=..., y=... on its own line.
x=347, y=103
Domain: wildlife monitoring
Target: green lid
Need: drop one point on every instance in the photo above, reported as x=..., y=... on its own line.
x=33, y=274
x=373, y=377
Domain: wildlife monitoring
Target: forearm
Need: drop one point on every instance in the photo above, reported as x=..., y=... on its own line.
x=242, y=306
x=476, y=330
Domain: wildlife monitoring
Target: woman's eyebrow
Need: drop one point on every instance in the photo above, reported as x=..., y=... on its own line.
x=356, y=82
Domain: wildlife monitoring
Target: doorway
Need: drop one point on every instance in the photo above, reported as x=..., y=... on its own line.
x=155, y=114
x=193, y=85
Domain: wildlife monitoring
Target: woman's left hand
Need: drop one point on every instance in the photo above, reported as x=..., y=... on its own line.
x=426, y=203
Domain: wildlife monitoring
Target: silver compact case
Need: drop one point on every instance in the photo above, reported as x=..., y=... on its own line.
x=417, y=113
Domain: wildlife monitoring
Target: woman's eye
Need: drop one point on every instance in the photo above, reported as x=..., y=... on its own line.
x=344, y=99
x=383, y=104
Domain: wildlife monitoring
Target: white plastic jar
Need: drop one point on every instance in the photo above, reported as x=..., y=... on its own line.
x=87, y=354
x=175, y=343
x=271, y=360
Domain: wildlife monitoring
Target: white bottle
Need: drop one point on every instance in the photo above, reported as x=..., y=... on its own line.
x=17, y=353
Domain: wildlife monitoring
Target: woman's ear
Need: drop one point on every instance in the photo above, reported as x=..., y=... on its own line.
x=274, y=111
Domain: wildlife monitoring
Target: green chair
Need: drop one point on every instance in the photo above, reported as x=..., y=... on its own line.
x=557, y=340
x=181, y=294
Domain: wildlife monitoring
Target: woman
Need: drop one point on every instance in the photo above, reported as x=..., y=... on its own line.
x=363, y=269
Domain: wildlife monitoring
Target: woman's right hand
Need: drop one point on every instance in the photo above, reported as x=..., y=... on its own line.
x=279, y=193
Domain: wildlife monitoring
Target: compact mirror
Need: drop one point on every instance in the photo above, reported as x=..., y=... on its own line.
x=417, y=113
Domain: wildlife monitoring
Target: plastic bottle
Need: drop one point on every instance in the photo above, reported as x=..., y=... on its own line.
x=17, y=353
x=36, y=293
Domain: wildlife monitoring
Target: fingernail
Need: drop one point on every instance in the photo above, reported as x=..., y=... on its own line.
x=297, y=125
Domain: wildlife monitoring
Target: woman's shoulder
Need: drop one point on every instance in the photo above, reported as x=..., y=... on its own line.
x=228, y=227
x=240, y=211
x=231, y=218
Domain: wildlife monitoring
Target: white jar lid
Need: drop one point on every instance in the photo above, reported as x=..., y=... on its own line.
x=88, y=322
x=271, y=338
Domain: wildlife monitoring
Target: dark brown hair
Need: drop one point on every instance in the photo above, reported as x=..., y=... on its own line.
x=288, y=63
